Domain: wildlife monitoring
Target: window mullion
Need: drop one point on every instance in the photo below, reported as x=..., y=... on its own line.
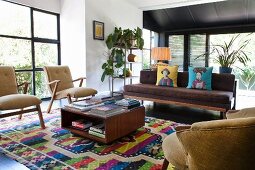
x=33, y=49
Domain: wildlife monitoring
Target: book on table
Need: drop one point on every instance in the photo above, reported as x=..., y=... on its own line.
x=81, y=124
x=86, y=103
x=106, y=109
x=99, y=128
x=94, y=133
x=128, y=103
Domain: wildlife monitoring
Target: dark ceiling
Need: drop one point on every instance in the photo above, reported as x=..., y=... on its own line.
x=239, y=13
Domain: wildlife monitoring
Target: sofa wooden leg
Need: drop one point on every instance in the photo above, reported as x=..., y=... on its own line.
x=165, y=164
x=223, y=115
x=40, y=116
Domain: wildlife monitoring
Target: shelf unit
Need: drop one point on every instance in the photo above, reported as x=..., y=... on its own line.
x=129, y=65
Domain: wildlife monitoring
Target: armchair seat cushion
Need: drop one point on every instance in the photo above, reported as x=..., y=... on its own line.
x=18, y=101
x=76, y=92
x=174, y=152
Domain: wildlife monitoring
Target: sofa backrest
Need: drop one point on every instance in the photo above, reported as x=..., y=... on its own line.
x=223, y=82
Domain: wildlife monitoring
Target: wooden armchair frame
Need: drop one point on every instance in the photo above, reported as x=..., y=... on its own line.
x=23, y=110
x=56, y=83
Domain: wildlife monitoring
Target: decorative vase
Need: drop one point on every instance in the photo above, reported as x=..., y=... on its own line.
x=225, y=70
x=132, y=58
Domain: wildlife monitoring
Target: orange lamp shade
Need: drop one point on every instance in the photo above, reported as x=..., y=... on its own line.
x=160, y=53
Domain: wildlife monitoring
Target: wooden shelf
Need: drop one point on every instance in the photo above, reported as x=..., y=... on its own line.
x=86, y=134
x=130, y=77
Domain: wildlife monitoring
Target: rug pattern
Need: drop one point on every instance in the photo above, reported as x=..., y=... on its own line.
x=57, y=148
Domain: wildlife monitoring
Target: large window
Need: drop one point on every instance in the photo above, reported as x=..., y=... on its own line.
x=29, y=40
x=176, y=44
x=197, y=49
x=150, y=40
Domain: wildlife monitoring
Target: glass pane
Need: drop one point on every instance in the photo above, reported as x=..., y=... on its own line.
x=154, y=39
x=146, y=59
x=176, y=44
x=46, y=54
x=22, y=77
x=15, y=52
x=14, y=20
x=41, y=87
x=197, y=48
x=45, y=25
x=146, y=37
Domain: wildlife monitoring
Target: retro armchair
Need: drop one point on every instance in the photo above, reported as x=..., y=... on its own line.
x=12, y=103
x=61, y=85
x=220, y=144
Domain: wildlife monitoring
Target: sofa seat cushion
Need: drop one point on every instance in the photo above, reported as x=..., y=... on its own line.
x=182, y=93
x=76, y=92
x=18, y=101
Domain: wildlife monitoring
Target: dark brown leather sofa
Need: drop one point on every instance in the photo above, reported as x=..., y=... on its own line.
x=221, y=98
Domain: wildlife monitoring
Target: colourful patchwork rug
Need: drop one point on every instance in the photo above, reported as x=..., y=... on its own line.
x=57, y=148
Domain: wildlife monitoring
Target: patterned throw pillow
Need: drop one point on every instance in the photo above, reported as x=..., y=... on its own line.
x=167, y=76
x=200, y=78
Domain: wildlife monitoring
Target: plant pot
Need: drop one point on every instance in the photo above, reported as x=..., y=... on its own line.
x=225, y=70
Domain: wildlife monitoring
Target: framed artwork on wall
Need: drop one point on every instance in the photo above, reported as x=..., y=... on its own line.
x=98, y=30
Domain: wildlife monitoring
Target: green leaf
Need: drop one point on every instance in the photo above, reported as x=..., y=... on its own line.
x=103, y=76
x=104, y=65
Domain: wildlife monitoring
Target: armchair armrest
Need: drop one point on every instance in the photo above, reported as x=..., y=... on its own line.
x=182, y=127
x=79, y=79
x=25, y=88
x=55, y=81
x=247, y=112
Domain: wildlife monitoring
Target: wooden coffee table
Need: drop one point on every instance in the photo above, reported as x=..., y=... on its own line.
x=116, y=126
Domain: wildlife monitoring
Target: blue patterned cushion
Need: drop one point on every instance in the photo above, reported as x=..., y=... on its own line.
x=200, y=78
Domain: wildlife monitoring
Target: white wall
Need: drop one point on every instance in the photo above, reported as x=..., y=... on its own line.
x=112, y=13
x=73, y=38
x=48, y=5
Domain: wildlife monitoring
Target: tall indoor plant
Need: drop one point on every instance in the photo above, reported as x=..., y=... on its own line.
x=227, y=54
x=118, y=43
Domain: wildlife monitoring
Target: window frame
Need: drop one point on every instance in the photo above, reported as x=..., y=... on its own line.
x=149, y=49
x=34, y=40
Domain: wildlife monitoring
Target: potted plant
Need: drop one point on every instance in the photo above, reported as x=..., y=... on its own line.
x=227, y=54
x=118, y=43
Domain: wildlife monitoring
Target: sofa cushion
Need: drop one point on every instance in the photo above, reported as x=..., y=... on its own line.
x=167, y=76
x=200, y=78
x=181, y=93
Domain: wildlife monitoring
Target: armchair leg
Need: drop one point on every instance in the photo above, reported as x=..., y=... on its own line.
x=69, y=98
x=40, y=116
x=165, y=164
x=50, y=105
x=20, y=116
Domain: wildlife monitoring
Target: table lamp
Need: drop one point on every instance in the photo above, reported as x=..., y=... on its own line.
x=161, y=55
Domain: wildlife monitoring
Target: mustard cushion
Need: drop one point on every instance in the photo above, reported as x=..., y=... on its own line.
x=167, y=76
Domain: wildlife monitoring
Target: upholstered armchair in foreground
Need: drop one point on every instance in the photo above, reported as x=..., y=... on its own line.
x=220, y=144
x=61, y=85
x=12, y=103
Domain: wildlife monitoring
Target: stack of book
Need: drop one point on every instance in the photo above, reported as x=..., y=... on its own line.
x=97, y=130
x=128, y=103
x=106, y=110
x=81, y=124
